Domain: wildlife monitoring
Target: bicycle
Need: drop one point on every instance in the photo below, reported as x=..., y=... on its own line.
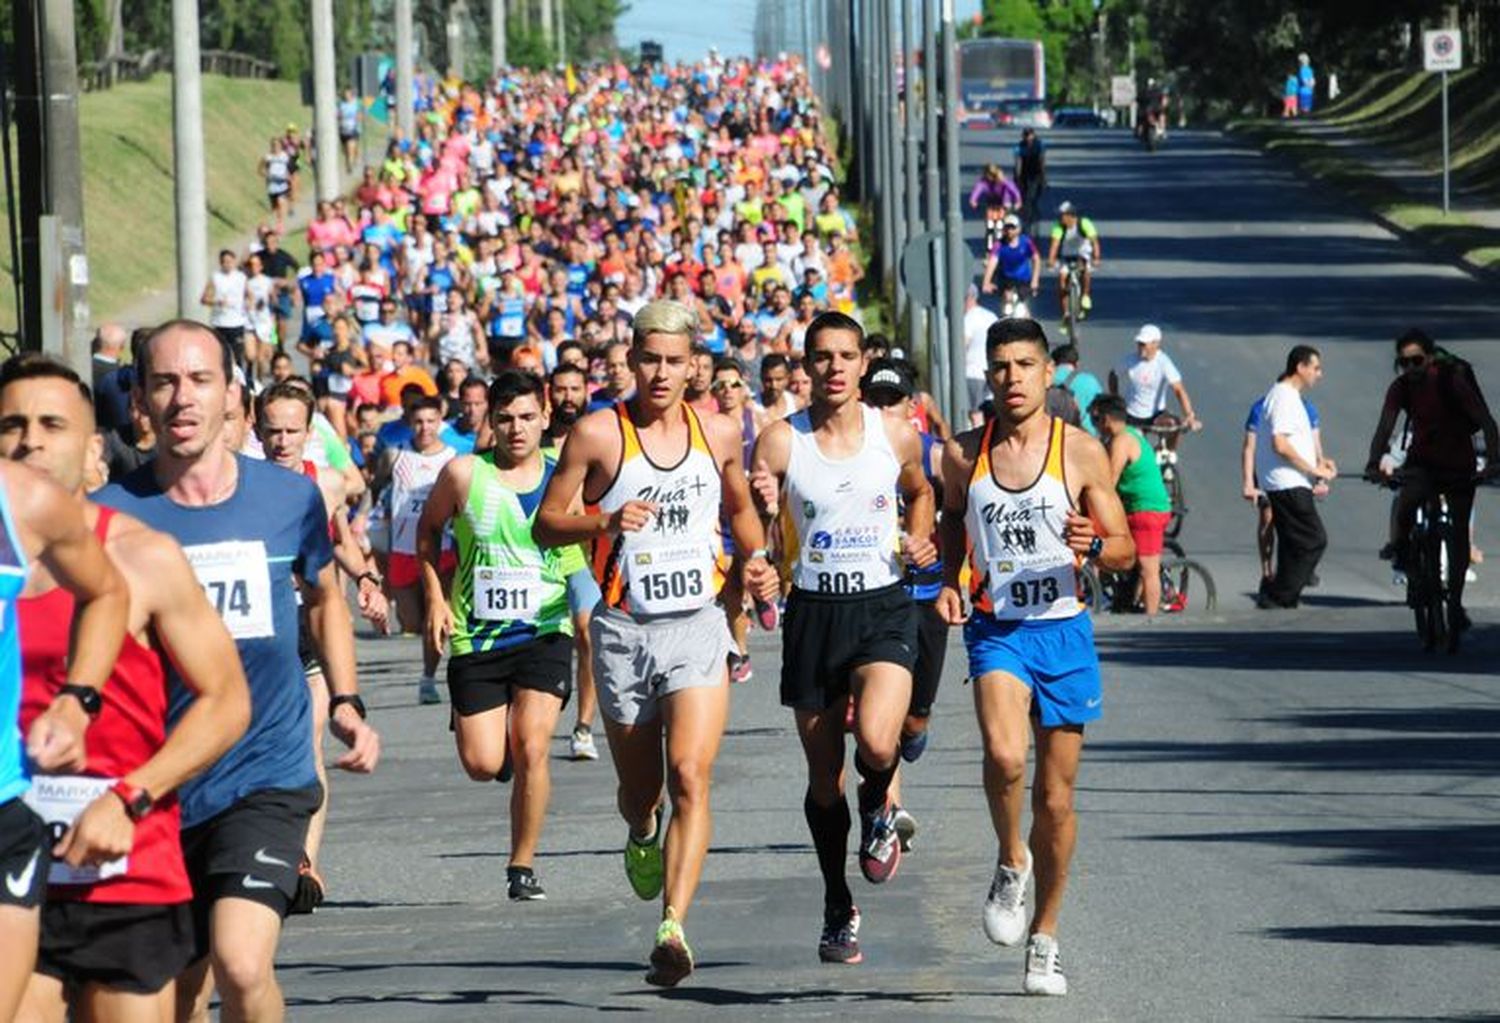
x=1159, y=433
x=1183, y=582
x=1439, y=620
x=1073, y=311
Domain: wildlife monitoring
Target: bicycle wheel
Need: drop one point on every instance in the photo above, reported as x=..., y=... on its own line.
x=1187, y=584
x=1172, y=477
x=1424, y=592
x=1091, y=590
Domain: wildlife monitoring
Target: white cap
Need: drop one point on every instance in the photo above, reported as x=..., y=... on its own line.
x=1150, y=334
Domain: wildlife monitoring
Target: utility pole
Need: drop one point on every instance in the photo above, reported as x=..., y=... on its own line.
x=404, y=69
x=933, y=219
x=187, y=158
x=958, y=250
x=497, y=36
x=325, y=102
x=913, y=178
x=458, y=14
x=548, y=33
x=562, y=31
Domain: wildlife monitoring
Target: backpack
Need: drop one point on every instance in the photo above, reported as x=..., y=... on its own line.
x=1062, y=403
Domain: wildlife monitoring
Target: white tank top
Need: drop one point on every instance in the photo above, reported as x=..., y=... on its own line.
x=846, y=535
x=412, y=478
x=676, y=564
x=1023, y=568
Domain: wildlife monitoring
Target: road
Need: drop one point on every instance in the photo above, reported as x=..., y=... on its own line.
x=1284, y=815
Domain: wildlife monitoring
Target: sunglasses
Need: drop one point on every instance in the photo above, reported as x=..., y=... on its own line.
x=1412, y=361
x=726, y=385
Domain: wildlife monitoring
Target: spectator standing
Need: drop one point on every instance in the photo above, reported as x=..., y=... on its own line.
x=1288, y=467
x=1307, y=81
x=1030, y=175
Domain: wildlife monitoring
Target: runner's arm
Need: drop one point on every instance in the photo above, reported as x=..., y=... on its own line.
x=921, y=510
x=556, y=525
x=1102, y=513
x=745, y=526
x=1247, y=466
x=333, y=635
x=773, y=450
x=1120, y=456
x=955, y=475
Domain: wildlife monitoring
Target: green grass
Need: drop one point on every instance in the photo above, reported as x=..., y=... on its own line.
x=1399, y=113
x=127, y=190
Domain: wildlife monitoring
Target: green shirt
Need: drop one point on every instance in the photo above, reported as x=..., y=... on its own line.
x=1140, y=486
x=508, y=591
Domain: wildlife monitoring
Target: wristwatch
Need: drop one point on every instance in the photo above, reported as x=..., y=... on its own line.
x=87, y=696
x=138, y=802
x=1096, y=548
x=374, y=579
x=352, y=699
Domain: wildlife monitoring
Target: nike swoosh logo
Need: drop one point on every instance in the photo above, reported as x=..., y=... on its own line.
x=261, y=856
x=255, y=882
x=19, y=885
x=1094, y=702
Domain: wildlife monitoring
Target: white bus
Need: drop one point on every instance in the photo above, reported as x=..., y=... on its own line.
x=1003, y=81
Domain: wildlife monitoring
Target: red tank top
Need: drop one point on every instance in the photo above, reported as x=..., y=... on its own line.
x=129, y=730
x=310, y=470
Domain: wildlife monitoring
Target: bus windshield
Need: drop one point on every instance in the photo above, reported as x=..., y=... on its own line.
x=992, y=71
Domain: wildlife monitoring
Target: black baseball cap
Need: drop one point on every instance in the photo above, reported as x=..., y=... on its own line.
x=888, y=377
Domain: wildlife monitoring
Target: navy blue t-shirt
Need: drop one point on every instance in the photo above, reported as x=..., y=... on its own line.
x=245, y=551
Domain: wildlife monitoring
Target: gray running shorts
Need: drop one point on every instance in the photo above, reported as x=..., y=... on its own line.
x=636, y=663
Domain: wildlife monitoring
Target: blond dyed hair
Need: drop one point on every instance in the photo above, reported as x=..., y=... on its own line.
x=664, y=316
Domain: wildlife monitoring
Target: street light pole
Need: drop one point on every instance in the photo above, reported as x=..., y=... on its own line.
x=325, y=102
x=958, y=254
x=188, y=176
x=405, y=72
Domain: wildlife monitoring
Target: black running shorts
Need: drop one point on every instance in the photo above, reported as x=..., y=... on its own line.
x=25, y=855
x=827, y=636
x=932, y=650
x=483, y=681
x=250, y=851
x=129, y=947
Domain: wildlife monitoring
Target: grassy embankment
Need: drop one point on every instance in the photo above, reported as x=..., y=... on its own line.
x=127, y=186
x=1399, y=115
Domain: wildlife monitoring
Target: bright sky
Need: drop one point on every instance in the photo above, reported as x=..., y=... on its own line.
x=727, y=24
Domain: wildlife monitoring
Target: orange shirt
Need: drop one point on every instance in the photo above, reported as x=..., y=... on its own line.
x=392, y=384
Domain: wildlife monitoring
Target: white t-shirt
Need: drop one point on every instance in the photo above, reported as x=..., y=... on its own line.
x=1144, y=383
x=1284, y=415
x=229, y=299
x=977, y=323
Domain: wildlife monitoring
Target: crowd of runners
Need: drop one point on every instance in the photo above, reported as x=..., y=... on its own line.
x=571, y=388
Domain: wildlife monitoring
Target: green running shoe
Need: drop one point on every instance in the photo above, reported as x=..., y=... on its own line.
x=643, y=863
x=671, y=959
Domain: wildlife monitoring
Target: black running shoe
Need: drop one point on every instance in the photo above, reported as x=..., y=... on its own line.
x=524, y=887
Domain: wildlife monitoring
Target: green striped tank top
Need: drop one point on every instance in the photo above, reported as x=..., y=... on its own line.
x=508, y=590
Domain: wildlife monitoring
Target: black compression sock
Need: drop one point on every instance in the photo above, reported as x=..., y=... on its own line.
x=876, y=785
x=830, y=833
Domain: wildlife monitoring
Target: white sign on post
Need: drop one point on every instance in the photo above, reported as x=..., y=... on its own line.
x=1122, y=91
x=1442, y=50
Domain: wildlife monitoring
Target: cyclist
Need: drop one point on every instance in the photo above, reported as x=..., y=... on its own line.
x=1076, y=240
x=1444, y=409
x=999, y=197
x=1143, y=380
x=1148, y=508
x=1019, y=264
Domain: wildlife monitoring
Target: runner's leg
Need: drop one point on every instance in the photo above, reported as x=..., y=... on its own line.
x=636, y=752
x=20, y=930
x=825, y=806
x=195, y=989
x=1054, y=826
x=694, y=720
x=882, y=694
x=1002, y=702
x=317, y=690
x=244, y=937
x=111, y=1006
x=588, y=701
x=481, y=741
x=533, y=719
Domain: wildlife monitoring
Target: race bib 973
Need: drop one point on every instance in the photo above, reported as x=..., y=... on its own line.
x=236, y=577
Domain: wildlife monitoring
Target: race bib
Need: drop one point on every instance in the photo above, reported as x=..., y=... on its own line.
x=58, y=800
x=509, y=593
x=1019, y=592
x=667, y=579
x=237, y=579
x=849, y=559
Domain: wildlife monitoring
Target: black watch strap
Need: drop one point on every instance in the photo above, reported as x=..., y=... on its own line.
x=88, y=696
x=353, y=700
x=1096, y=547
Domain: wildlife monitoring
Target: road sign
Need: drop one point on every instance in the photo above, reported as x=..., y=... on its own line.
x=1442, y=50
x=922, y=265
x=1122, y=91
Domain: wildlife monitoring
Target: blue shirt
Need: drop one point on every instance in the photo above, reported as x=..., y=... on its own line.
x=14, y=777
x=1015, y=260
x=394, y=434
x=1258, y=411
x=316, y=287
x=461, y=442
x=245, y=551
x=1084, y=387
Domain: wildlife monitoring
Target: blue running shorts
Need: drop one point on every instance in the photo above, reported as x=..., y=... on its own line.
x=1056, y=659
x=583, y=592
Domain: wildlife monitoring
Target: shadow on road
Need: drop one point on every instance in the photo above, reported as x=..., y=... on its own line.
x=1481, y=926
x=1268, y=650
x=1458, y=848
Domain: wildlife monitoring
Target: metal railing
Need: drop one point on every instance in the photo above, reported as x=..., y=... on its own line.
x=94, y=76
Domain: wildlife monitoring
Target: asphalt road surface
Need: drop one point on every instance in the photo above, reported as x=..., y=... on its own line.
x=1284, y=815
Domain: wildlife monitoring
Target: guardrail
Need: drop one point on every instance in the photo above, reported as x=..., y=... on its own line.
x=94, y=76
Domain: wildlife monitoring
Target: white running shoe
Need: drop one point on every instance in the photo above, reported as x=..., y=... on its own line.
x=427, y=692
x=1005, y=908
x=1044, y=975
x=581, y=745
